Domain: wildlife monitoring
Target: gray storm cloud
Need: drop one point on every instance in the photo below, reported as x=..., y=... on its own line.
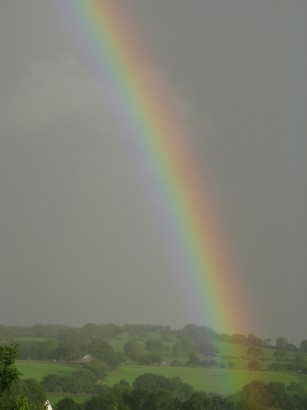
x=79, y=241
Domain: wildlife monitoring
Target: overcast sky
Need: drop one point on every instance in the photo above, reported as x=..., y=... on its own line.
x=78, y=240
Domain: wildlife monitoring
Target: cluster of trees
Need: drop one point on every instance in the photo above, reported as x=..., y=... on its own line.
x=68, y=348
x=192, y=342
x=191, y=346
x=8, y=333
x=110, y=330
x=260, y=395
x=253, y=340
x=55, y=342
x=14, y=394
x=83, y=380
x=88, y=331
x=287, y=357
x=30, y=395
x=55, y=339
x=152, y=355
x=286, y=363
x=37, y=350
x=151, y=392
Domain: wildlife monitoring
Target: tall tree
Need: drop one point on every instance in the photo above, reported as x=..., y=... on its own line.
x=132, y=350
x=8, y=370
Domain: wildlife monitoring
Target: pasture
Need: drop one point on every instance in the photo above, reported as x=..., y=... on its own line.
x=38, y=370
x=222, y=381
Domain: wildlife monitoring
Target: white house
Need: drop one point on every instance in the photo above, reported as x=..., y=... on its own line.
x=48, y=405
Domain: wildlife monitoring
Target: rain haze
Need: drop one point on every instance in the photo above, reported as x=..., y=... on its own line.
x=79, y=240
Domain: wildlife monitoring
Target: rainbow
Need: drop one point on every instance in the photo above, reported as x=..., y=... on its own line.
x=160, y=138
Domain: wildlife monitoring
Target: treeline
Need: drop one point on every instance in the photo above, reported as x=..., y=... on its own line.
x=148, y=344
x=54, y=342
x=69, y=344
x=148, y=391
x=152, y=392
x=89, y=330
x=81, y=381
x=109, y=331
x=256, y=395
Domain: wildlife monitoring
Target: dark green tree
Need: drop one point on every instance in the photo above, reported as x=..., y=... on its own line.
x=254, y=396
x=150, y=381
x=183, y=347
x=182, y=391
x=238, y=338
x=303, y=346
x=253, y=340
x=108, y=400
x=53, y=383
x=148, y=359
x=67, y=404
x=278, y=396
x=254, y=365
x=133, y=350
x=141, y=399
x=22, y=403
x=194, y=360
x=81, y=381
x=102, y=350
x=254, y=351
x=154, y=346
x=8, y=370
x=24, y=395
x=298, y=394
x=281, y=342
x=198, y=401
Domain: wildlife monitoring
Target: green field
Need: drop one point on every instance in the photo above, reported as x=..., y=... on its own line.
x=226, y=352
x=38, y=370
x=119, y=342
x=223, y=381
x=226, y=380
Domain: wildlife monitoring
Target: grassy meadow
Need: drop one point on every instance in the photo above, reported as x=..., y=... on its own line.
x=224, y=373
x=227, y=352
x=38, y=370
x=222, y=381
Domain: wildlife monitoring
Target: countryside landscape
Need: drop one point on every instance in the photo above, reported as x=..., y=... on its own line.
x=153, y=205
x=106, y=366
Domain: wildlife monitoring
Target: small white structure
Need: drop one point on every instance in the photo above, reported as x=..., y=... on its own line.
x=88, y=358
x=48, y=405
